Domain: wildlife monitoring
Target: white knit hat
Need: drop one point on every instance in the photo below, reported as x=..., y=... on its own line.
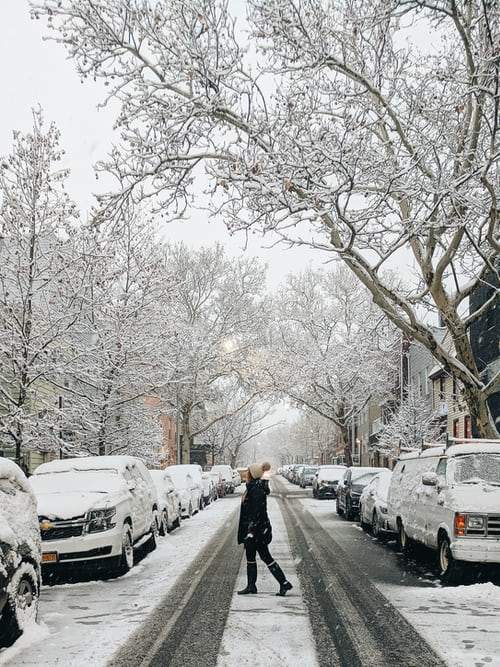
x=256, y=470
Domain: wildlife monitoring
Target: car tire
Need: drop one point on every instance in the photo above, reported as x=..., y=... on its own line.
x=176, y=523
x=21, y=609
x=450, y=570
x=125, y=561
x=404, y=542
x=375, y=527
x=340, y=511
x=152, y=542
x=349, y=515
x=365, y=526
x=163, y=528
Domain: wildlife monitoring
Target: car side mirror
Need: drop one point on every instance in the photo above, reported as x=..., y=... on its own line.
x=430, y=479
x=131, y=485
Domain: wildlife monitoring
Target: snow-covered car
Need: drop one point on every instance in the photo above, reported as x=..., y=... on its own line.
x=96, y=508
x=208, y=489
x=20, y=553
x=307, y=475
x=169, y=515
x=218, y=481
x=236, y=478
x=297, y=471
x=190, y=494
x=227, y=475
x=373, y=504
x=449, y=500
x=326, y=481
x=349, y=492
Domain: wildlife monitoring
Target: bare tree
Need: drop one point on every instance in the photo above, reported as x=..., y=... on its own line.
x=219, y=314
x=42, y=276
x=412, y=424
x=331, y=349
x=347, y=134
x=229, y=437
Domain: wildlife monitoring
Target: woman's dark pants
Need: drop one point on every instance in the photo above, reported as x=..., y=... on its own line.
x=251, y=550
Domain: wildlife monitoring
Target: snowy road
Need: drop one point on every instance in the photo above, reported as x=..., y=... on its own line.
x=355, y=602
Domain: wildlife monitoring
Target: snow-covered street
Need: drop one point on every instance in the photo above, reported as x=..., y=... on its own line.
x=354, y=601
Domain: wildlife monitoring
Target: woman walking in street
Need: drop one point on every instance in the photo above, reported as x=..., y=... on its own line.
x=255, y=532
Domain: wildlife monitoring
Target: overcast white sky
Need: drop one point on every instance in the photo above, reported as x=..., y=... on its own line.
x=36, y=72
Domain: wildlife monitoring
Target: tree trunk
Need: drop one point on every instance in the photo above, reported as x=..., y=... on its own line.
x=479, y=412
x=344, y=433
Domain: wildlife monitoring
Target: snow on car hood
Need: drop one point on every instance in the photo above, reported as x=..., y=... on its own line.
x=474, y=498
x=70, y=495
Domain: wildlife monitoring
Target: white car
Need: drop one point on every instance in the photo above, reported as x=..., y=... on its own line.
x=208, y=489
x=326, y=481
x=97, y=508
x=169, y=514
x=190, y=494
x=373, y=504
x=449, y=500
x=236, y=478
x=227, y=475
x=20, y=553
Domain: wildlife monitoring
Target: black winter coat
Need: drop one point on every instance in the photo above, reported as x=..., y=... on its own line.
x=253, y=515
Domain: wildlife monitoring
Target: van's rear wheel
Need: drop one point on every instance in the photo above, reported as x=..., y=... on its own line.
x=450, y=570
x=125, y=561
x=375, y=525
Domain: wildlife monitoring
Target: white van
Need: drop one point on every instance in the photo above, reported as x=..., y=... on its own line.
x=449, y=500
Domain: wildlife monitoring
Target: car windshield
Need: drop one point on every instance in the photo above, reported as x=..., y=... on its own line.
x=362, y=477
x=333, y=474
x=179, y=478
x=477, y=468
x=82, y=481
x=309, y=471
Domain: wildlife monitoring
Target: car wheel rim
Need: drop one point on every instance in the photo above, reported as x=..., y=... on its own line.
x=375, y=525
x=25, y=602
x=165, y=522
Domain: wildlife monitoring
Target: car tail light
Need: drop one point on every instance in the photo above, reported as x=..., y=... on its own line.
x=459, y=525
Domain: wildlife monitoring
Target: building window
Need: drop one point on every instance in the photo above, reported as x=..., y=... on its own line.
x=456, y=390
x=456, y=428
x=467, y=427
x=441, y=388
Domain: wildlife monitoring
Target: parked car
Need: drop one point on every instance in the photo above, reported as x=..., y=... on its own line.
x=20, y=553
x=189, y=490
x=227, y=475
x=449, y=500
x=326, y=481
x=307, y=475
x=218, y=480
x=236, y=479
x=373, y=504
x=349, y=492
x=96, y=508
x=169, y=515
x=208, y=489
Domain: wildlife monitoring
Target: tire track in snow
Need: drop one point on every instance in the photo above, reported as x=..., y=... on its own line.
x=354, y=624
x=187, y=627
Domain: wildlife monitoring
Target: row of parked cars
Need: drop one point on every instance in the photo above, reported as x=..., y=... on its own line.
x=86, y=510
x=446, y=499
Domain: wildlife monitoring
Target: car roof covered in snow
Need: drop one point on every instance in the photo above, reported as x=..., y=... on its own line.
x=427, y=453
x=86, y=463
x=475, y=447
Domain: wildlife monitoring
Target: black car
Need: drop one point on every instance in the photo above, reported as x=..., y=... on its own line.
x=349, y=492
x=19, y=553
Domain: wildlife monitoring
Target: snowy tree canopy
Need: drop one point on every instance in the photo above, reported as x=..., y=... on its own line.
x=328, y=124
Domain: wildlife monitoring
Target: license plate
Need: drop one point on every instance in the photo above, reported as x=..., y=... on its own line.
x=49, y=557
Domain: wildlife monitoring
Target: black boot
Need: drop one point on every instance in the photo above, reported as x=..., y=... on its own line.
x=279, y=575
x=251, y=588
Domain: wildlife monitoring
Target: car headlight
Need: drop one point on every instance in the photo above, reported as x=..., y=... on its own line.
x=383, y=509
x=475, y=522
x=100, y=520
